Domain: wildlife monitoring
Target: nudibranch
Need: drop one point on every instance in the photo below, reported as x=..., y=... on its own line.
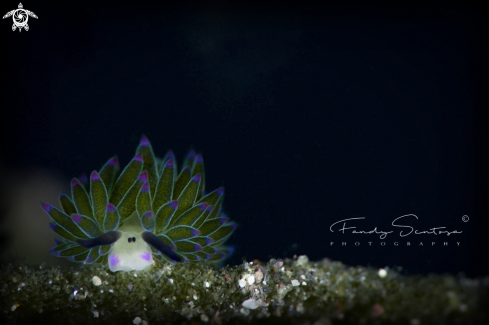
x=148, y=213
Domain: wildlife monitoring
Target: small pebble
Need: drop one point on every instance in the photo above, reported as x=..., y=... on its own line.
x=242, y=283
x=136, y=320
x=294, y=283
x=382, y=273
x=302, y=260
x=250, y=304
x=96, y=281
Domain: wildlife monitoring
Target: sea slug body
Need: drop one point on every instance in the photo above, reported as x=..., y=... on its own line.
x=148, y=213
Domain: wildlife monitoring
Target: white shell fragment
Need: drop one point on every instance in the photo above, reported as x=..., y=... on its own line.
x=250, y=304
x=251, y=279
x=295, y=283
x=242, y=283
x=136, y=320
x=96, y=281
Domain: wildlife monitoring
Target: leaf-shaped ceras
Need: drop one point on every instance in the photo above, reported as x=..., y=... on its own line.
x=145, y=214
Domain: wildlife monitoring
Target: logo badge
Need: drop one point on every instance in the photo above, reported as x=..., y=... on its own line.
x=20, y=17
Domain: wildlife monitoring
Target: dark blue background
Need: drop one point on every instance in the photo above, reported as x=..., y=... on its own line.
x=307, y=115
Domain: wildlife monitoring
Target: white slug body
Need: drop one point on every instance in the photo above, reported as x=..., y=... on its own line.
x=130, y=251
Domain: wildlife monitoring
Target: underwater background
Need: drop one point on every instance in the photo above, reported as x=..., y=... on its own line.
x=306, y=115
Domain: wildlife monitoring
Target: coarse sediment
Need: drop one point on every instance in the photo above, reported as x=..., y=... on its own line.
x=294, y=291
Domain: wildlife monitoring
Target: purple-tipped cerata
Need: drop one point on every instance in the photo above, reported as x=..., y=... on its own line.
x=75, y=182
x=191, y=154
x=94, y=176
x=174, y=204
x=76, y=218
x=139, y=157
x=145, y=187
x=170, y=155
x=143, y=177
x=114, y=161
x=144, y=141
x=46, y=207
x=224, y=220
x=148, y=214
